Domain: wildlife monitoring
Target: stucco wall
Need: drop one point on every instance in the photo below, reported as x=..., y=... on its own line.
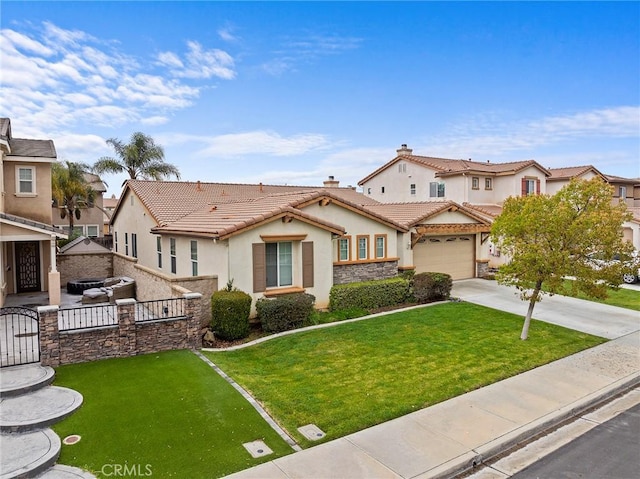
x=397, y=183
x=36, y=206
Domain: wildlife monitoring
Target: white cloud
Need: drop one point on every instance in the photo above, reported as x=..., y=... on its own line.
x=226, y=34
x=262, y=143
x=170, y=59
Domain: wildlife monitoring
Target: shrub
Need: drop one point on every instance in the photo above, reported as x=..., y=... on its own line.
x=428, y=287
x=230, y=314
x=285, y=312
x=369, y=294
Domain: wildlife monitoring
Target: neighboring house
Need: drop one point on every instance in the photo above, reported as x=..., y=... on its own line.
x=27, y=237
x=560, y=177
x=626, y=190
x=109, y=205
x=91, y=222
x=413, y=178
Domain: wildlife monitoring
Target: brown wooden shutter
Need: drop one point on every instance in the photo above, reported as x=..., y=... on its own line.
x=259, y=268
x=524, y=187
x=537, y=187
x=307, y=264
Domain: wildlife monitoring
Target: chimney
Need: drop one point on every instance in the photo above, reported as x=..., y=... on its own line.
x=331, y=182
x=404, y=151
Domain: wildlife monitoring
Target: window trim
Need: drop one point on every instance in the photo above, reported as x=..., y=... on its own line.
x=159, y=250
x=488, y=183
x=194, y=260
x=134, y=245
x=34, y=191
x=126, y=244
x=92, y=226
x=358, y=239
x=622, y=192
x=173, y=255
x=346, y=238
x=278, y=265
x=475, y=183
x=383, y=237
x=412, y=189
x=437, y=184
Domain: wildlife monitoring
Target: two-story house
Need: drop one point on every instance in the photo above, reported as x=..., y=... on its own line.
x=409, y=178
x=27, y=237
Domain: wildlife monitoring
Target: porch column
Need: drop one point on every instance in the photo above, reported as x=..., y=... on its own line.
x=54, y=276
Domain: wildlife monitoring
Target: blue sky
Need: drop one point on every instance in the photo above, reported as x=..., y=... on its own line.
x=289, y=93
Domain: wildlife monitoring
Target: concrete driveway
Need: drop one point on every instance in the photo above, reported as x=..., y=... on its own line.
x=586, y=316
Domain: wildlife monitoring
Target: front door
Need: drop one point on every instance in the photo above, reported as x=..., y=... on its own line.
x=27, y=266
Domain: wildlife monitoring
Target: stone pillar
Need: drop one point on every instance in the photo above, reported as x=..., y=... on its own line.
x=49, y=336
x=126, y=309
x=192, y=310
x=482, y=268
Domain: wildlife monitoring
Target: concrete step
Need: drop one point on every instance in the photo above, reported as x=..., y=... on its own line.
x=60, y=471
x=17, y=380
x=28, y=454
x=37, y=409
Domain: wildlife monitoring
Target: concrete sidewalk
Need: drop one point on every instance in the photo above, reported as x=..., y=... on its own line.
x=453, y=436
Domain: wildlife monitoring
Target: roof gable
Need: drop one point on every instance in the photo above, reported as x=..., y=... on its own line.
x=411, y=214
x=566, y=173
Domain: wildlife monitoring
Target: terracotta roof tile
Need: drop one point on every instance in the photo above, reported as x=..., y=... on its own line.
x=488, y=210
x=570, y=172
x=410, y=214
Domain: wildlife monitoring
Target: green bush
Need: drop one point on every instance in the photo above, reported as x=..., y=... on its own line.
x=429, y=287
x=285, y=312
x=369, y=294
x=230, y=314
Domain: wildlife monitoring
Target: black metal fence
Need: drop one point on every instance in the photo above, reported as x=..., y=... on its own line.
x=19, y=336
x=87, y=317
x=160, y=309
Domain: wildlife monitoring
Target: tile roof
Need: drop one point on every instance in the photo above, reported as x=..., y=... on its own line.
x=33, y=148
x=620, y=179
x=491, y=211
x=447, y=167
x=571, y=172
x=410, y=214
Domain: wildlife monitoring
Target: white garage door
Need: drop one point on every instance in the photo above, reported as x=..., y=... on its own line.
x=453, y=255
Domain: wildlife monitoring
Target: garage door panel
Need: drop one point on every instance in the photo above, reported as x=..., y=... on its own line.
x=453, y=255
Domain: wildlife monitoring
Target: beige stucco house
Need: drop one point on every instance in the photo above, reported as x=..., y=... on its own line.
x=27, y=237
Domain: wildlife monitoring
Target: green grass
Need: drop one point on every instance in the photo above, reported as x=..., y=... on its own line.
x=355, y=375
x=623, y=298
x=168, y=410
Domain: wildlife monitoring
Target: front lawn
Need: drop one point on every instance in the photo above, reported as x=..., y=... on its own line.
x=169, y=411
x=355, y=375
x=623, y=298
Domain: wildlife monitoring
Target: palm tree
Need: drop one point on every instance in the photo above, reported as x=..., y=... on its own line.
x=70, y=190
x=141, y=158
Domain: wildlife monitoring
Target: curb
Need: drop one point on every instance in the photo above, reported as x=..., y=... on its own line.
x=487, y=452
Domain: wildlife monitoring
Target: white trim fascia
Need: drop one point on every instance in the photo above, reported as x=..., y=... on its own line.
x=30, y=159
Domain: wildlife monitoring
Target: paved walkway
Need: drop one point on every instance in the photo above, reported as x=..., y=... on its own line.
x=454, y=435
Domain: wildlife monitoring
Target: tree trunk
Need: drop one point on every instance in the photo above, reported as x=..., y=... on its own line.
x=532, y=302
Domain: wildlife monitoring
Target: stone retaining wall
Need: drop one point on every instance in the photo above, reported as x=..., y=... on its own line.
x=354, y=272
x=127, y=338
x=84, y=266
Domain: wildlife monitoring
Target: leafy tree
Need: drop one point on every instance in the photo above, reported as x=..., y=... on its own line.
x=70, y=190
x=576, y=232
x=141, y=158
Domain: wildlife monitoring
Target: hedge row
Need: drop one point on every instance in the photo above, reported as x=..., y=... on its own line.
x=429, y=287
x=286, y=312
x=369, y=294
x=230, y=314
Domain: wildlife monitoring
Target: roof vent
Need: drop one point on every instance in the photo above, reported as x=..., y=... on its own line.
x=331, y=182
x=404, y=151
x=198, y=186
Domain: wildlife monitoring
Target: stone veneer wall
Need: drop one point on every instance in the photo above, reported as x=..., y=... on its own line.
x=152, y=285
x=127, y=338
x=84, y=265
x=351, y=273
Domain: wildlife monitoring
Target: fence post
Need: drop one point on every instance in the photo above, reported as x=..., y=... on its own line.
x=126, y=309
x=192, y=310
x=49, y=336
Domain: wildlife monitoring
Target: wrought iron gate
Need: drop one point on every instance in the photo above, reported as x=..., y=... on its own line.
x=19, y=336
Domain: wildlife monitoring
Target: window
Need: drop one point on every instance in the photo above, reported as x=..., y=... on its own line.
x=159, y=250
x=115, y=240
x=436, y=190
x=92, y=231
x=623, y=192
x=194, y=258
x=402, y=167
x=382, y=190
x=530, y=186
x=363, y=247
x=134, y=245
x=279, y=264
x=126, y=244
x=412, y=188
x=475, y=183
x=25, y=180
x=488, y=184
x=172, y=253
x=368, y=191
x=344, y=249
x=381, y=246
